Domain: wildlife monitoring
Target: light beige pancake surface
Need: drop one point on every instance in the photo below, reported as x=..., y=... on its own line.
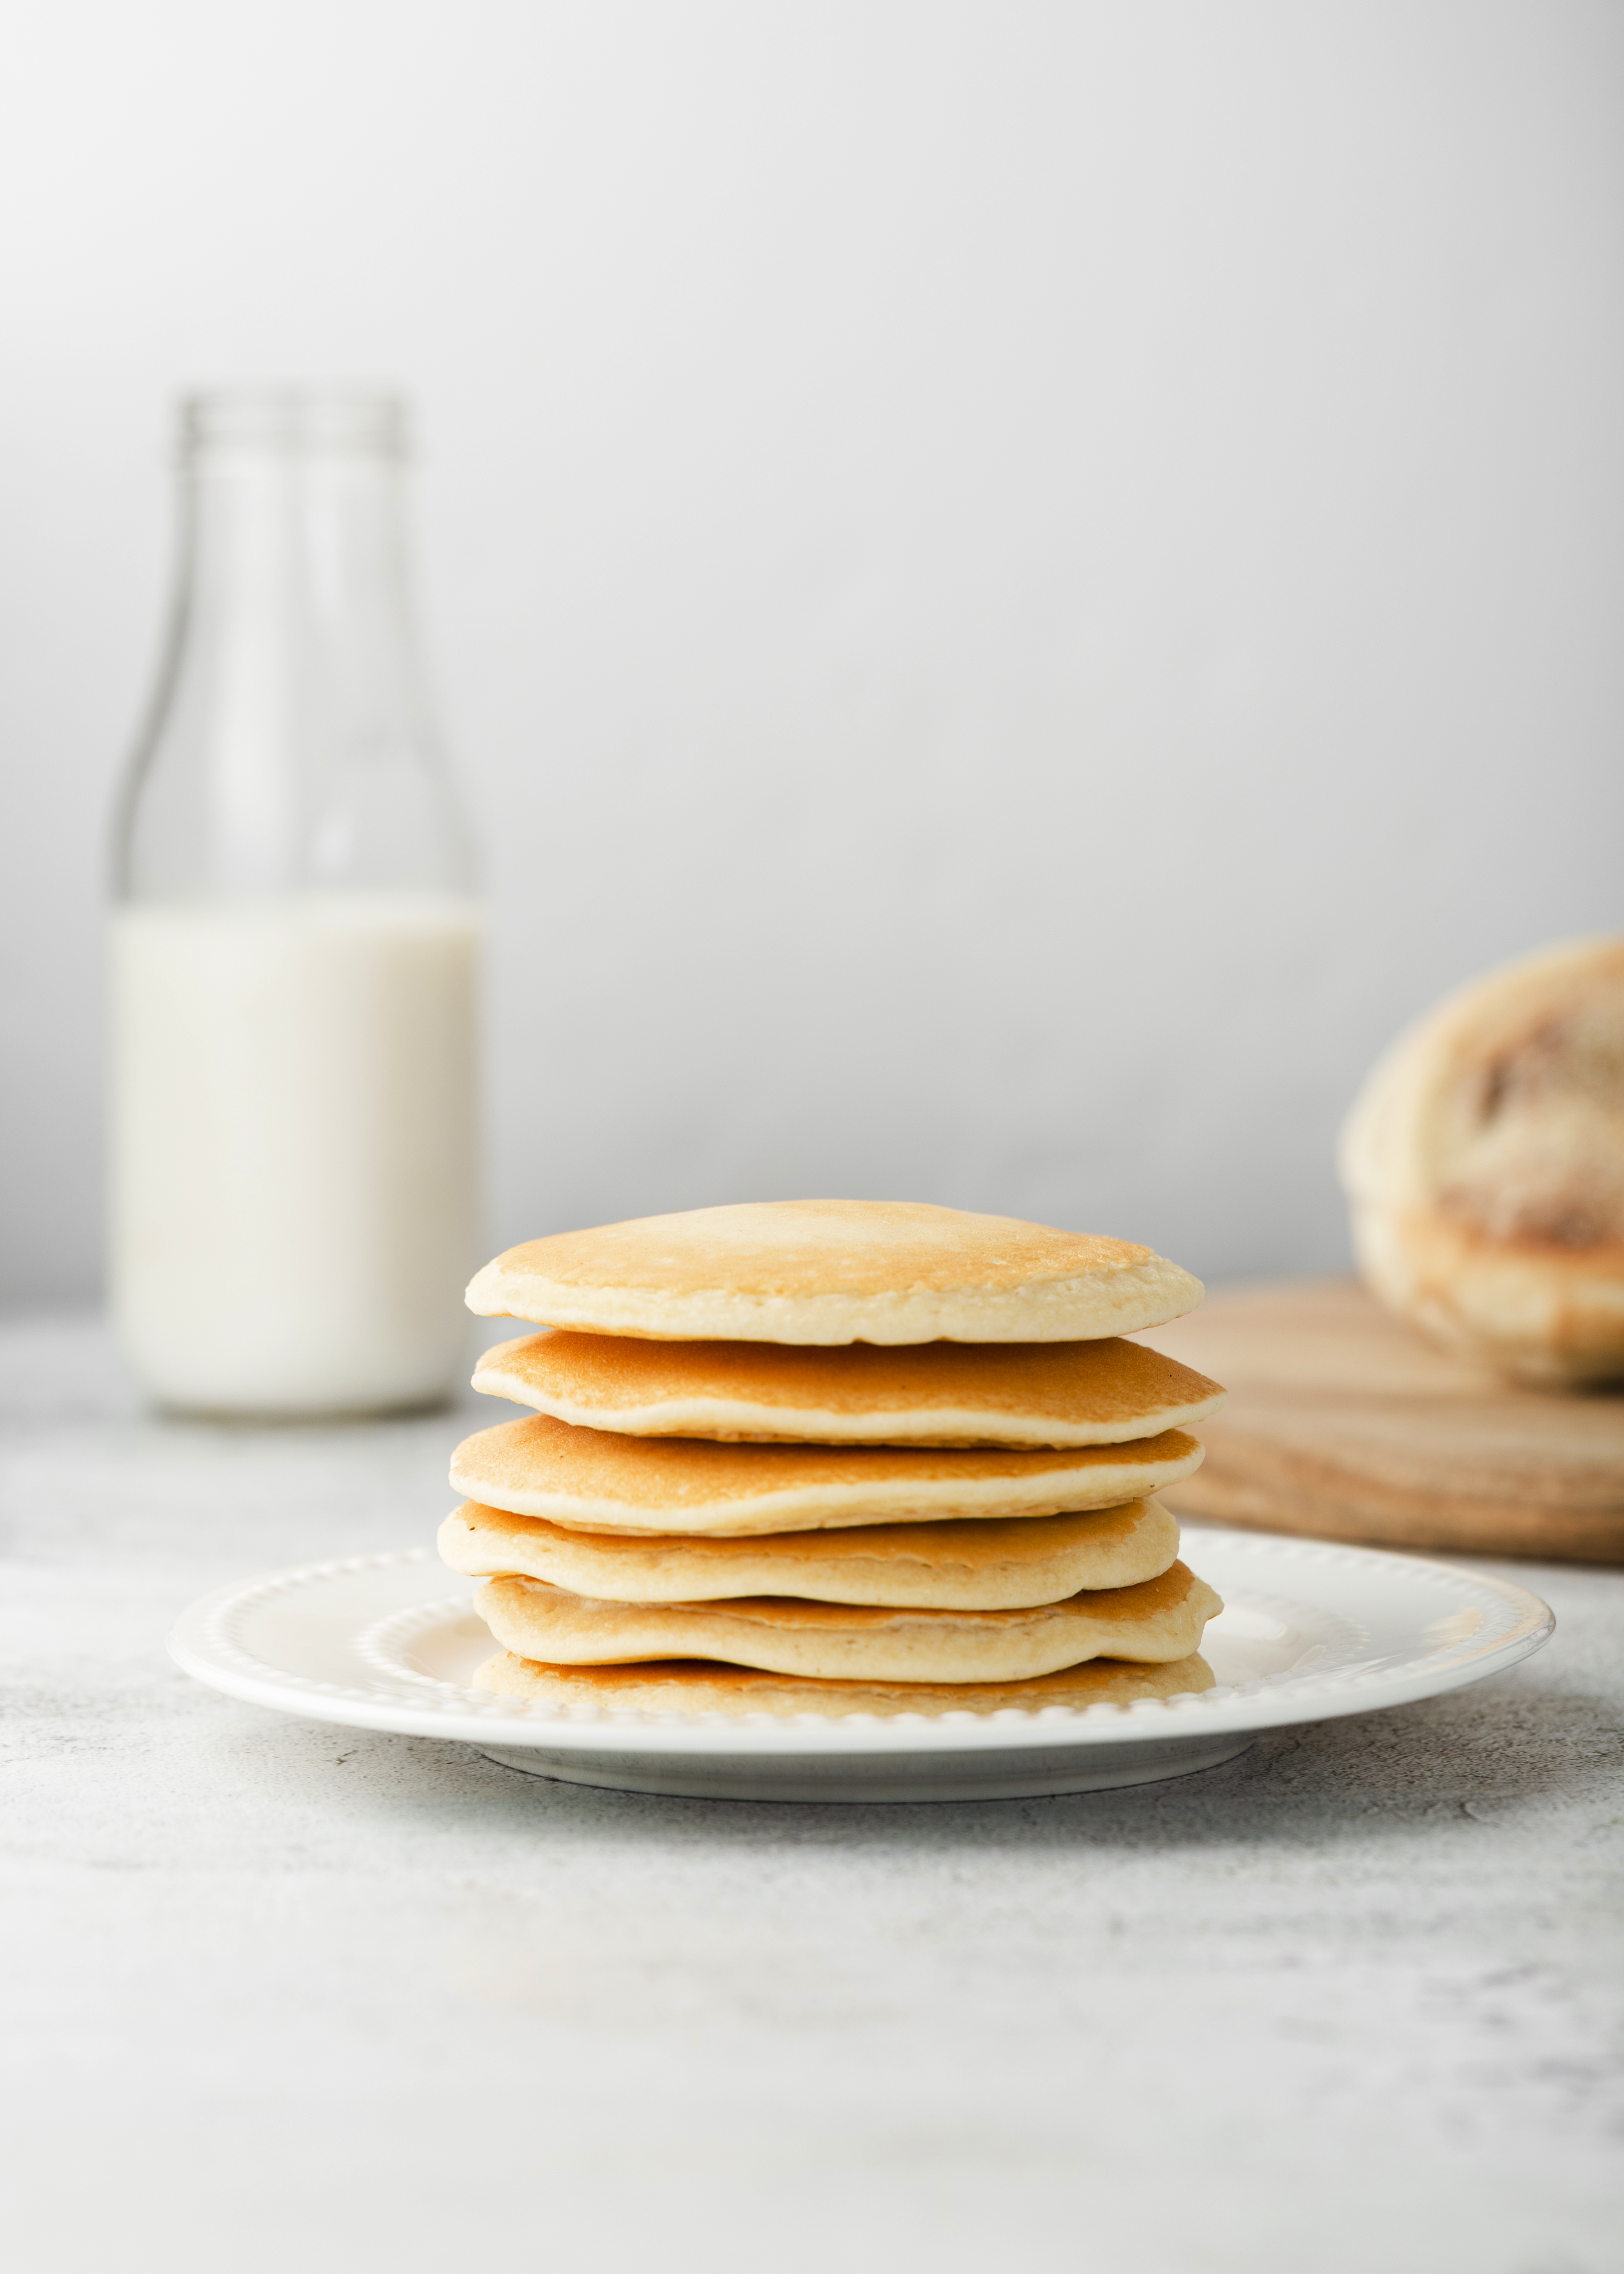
x=697, y=1686
x=835, y=1271
x=1007, y=1563
x=591, y=1481
x=1161, y=1618
x=1086, y=1393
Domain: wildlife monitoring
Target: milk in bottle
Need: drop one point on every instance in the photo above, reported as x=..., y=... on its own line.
x=294, y=947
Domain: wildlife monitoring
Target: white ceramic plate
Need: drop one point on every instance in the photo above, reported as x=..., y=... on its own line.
x=1309, y=1631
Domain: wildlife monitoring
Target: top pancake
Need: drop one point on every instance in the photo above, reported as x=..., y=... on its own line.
x=829, y=1272
x=1082, y=1393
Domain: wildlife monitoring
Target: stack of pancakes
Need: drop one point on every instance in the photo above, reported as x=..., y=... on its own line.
x=833, y=1457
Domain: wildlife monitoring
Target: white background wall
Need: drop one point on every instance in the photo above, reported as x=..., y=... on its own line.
x=1016, y=584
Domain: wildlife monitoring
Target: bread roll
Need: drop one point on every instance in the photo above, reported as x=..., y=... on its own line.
x=1484, y=1161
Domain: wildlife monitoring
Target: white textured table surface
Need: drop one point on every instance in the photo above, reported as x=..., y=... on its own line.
x=285, y=1996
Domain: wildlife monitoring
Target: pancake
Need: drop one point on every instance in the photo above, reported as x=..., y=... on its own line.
x=695, y=1686
x=1009, y=1563
x=1086, y=1393
x=589, y=1480
x=1159, y=1619
x=835, y=1271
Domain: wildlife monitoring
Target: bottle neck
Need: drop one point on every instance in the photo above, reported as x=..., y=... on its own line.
x=291, y=744
x=296, y=603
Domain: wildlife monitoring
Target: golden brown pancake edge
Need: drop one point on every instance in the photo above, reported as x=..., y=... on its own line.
x=703, y=1687
x=594, y=1481
x=1027, y=1395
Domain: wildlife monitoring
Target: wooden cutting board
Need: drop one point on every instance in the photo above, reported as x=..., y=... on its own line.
x=1342, y=1422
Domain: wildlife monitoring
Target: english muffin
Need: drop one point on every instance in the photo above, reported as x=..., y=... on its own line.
x=1484, y=1161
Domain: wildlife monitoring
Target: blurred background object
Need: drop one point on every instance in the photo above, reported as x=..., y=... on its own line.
x=1020, y=585
x=1484, y=1164
x=1344, y=1423
x=295, y=944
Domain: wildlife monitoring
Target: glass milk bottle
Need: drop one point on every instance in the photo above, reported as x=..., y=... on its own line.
x=294, y=945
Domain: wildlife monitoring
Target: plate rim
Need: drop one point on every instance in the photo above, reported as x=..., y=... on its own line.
x=200, y=1643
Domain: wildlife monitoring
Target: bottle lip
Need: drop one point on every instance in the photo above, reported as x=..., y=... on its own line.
x=372, y=420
